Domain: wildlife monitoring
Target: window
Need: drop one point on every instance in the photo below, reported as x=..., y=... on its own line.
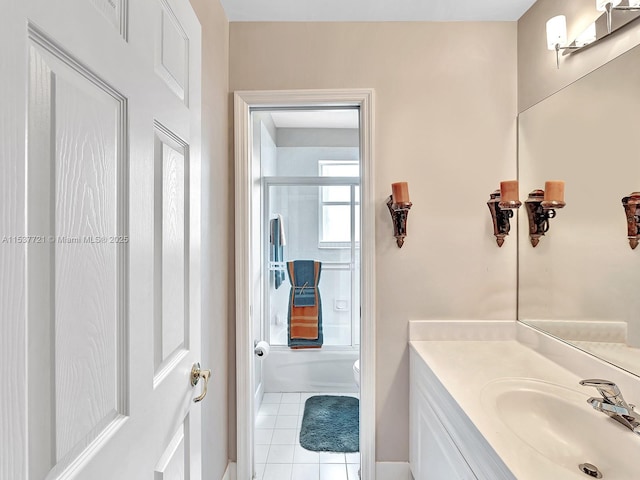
x=337, y=206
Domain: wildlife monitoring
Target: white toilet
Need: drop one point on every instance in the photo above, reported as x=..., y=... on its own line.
x=356, y=372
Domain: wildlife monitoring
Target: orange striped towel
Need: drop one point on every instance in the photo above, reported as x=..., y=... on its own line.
x=304, y=320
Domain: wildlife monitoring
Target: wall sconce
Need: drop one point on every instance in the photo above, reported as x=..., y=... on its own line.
x=603, y=26
x=501, y=205
x=631, y=204
x=399, y=205
x=541, y=206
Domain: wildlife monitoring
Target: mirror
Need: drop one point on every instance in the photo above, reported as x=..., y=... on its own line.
x=579, y=283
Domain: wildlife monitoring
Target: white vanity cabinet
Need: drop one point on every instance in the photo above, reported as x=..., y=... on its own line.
x=444, y=443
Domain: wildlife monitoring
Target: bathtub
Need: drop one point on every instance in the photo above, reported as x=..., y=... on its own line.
x=325, y=371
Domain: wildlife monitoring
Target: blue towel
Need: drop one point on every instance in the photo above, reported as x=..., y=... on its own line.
x=304, y=296
x=304, y=291
x=276, y=251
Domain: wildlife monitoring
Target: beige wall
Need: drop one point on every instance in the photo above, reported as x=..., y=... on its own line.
x=216, y=241
x=537, y=74
x=446, y=104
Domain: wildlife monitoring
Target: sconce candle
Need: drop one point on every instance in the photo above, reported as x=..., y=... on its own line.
x=400, y=193
x=509, y=191
x=554, y=191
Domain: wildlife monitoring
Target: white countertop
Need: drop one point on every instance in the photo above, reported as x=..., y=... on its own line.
x=465, y=367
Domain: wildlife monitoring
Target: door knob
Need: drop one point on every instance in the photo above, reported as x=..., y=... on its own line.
x=196, y=374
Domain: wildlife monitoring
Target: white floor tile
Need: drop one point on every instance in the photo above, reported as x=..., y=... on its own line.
x=277, y=471
x=268, y=409
x=265, y=421
x=352, y=471
x=302, y=455
x=305, y=472
x=263, y=436
x=332, y=472
x=289, y=409
x=352, y=457
x=290, y=398
x=280, y=454
x=286, y=422
x=261, y=453
x=284, y=436
x=272, y=398
x=306, y=396
x=332, y=457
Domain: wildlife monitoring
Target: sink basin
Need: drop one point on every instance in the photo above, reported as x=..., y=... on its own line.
x=556, y=425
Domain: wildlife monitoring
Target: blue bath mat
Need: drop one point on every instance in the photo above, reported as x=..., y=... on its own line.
x=331, y=424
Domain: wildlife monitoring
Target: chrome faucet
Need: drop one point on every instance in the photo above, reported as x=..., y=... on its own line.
x=612, y=403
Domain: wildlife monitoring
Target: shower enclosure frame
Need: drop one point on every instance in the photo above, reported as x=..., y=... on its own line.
x=244, y=103
x=284, y=181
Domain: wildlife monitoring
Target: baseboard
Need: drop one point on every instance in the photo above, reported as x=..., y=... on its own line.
x=393, y=471
x=230, y=472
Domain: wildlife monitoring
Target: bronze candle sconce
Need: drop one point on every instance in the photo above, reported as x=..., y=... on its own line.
x=502, y=209
x=631, y=204
x=541, y=207
x=399, y=205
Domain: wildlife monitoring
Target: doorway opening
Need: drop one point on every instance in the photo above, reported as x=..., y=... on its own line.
x=304, y=281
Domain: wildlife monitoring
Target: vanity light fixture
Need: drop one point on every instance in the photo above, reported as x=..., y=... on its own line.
x=557, y=36
x=541, y=206
x=631, y=205
x=587, y=37
x=399, y=205
x=501, y=204
x=608, y=6
x=602, y=27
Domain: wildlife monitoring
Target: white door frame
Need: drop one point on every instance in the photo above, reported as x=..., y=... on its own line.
x=244, y=102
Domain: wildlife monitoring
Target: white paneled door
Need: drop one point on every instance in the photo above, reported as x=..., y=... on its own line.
x=99, y=240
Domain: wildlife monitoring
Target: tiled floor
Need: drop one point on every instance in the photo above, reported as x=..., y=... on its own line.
x=278, y=453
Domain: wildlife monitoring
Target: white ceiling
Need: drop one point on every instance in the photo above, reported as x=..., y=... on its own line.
x=315, y=118
x=374, y=10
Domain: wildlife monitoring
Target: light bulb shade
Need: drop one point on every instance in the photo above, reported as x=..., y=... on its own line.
x=588, y=36
x=556, y=32
x=601, y=5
